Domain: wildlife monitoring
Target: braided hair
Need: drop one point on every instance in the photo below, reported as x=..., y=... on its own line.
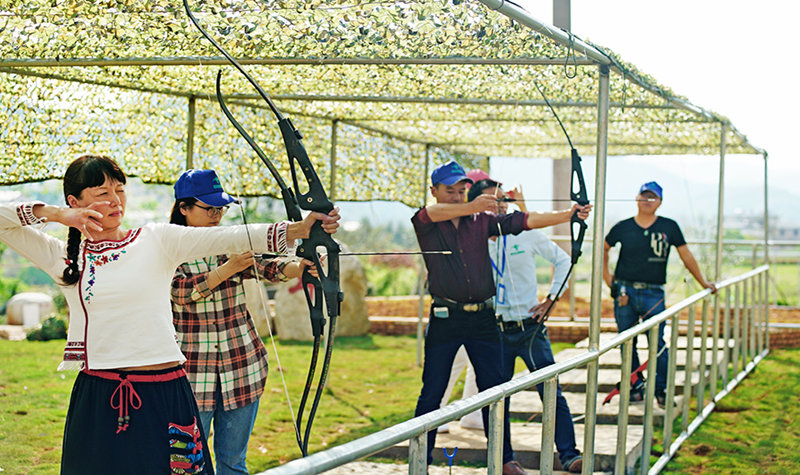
x=84, y=172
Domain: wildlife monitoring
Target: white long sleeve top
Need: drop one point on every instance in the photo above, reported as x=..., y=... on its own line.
x=518, y=274
x=120, y=310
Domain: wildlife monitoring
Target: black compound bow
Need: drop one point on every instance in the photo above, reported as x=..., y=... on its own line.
x=315, y=199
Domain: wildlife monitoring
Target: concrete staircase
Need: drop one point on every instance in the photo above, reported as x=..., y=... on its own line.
x=526, y=409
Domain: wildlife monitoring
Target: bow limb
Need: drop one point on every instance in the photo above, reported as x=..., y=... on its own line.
x=315, y=199
x=580, y=196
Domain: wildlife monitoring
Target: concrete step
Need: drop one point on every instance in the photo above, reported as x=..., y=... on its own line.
x=373, y=468
x=527, y=405
x=613, y=359
x=607, y=379
x=641, y=341
x=526, y=439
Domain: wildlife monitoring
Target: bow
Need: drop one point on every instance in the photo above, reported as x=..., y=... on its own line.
x=576, y=237
x=315, y=199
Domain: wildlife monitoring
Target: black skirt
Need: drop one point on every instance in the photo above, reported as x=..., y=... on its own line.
x=134, y=422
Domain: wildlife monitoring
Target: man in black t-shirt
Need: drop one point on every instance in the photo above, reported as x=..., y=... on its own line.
x=637, y=284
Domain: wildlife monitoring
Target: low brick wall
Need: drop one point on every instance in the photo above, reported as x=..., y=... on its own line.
x=398, y=316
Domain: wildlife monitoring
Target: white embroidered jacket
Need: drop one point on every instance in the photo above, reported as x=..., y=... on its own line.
x=120, y=310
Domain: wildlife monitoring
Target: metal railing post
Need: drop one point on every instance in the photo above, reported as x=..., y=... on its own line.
x=715, y=359
x=701, y=385
x=726, y=336
x=688, y=369
x=649, y=394
x=737, y=337
x=548, y=426
x=418, y=455
x=494, y=452
x=620, y=462
x=670, y=395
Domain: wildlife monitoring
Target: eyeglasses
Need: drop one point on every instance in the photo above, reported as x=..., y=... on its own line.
x=213, y=211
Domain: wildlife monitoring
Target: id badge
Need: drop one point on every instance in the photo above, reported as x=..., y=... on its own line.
x=441, y=312
x=501, y=294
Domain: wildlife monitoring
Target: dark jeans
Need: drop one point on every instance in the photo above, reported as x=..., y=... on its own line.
x=477, y=331
x=535, y=351
x=643, y=304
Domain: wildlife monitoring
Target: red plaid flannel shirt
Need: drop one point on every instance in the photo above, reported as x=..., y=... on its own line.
x=217, y=333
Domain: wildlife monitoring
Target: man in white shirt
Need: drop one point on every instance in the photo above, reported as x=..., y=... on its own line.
x=519, y=312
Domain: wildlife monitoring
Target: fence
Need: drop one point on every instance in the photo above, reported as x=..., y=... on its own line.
x=734, y=334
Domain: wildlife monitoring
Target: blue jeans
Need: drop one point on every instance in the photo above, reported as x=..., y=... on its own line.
x=535, y=351
x=643, y=304
x=477, y=331
x=232, y=431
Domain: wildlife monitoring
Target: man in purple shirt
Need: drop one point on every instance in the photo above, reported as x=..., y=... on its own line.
x=462, y=288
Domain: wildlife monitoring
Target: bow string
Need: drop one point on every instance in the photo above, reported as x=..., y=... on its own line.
x=324, y=291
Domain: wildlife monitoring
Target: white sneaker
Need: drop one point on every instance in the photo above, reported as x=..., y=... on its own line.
x=443, y=429
x=473, y=420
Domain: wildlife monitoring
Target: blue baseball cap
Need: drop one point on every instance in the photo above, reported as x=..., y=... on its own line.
x=651, y=186
x=203, y=185
x=449, y=174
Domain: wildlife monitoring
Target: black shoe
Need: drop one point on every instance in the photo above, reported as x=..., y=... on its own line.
x=661, y=399
x=637, y=395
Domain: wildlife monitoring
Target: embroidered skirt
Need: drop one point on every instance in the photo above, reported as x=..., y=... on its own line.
x=134, y=422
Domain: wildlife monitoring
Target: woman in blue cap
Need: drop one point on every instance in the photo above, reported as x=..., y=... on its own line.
x=226, y=362
x=132, y=410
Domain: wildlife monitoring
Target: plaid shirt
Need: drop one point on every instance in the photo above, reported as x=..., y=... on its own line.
x=217, y=335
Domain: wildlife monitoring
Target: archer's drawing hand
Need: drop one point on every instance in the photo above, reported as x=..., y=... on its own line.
x=84, y=220
x=238, y=262
x=483, y=203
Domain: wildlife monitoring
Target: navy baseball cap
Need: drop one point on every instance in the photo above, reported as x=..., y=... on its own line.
x=651, y=186
x=203, y=185
x=448, y=174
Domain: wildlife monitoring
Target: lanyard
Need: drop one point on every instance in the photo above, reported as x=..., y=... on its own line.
x=501, y=287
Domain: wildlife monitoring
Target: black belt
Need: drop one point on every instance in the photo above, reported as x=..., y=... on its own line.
x=465, y=307
x=640, y=285
x=514, y=326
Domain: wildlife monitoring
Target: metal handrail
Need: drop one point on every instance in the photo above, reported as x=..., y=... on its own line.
x=419, y=426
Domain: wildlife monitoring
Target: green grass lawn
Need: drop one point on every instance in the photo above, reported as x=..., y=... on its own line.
x=374, y=383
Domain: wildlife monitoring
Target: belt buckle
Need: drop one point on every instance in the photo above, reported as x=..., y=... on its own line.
x=470, y=307
x=639, y=285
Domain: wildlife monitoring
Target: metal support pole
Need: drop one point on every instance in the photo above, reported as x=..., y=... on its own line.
x=597, y=266
x=190, y=132
x=720, y=200
x=421, y=281
x=548, y=426
x=334, y=141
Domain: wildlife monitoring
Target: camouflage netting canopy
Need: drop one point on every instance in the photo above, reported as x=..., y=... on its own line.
x=388, y=82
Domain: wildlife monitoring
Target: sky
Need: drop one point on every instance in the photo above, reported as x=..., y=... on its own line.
x=733, y=57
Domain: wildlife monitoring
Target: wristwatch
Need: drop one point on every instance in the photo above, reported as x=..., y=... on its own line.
x=551, y=297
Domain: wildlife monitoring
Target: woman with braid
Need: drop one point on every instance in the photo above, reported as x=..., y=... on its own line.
x=132, y=410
